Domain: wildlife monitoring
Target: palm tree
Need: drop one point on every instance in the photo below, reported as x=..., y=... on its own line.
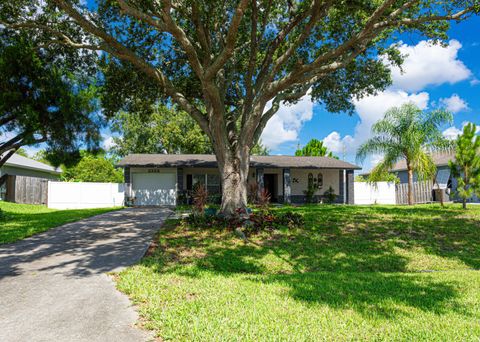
x=407, y=133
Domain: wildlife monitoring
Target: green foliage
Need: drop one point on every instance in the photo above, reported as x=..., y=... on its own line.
x=162, y=130
x=330, y=195
x=93, y=168
x=252, y=222
x=22, y=152
x=42, y=157
x=310, y=192
x=378, y=177
x=406, y=133
x=24, y=220
x=259, y=149
x=466, y=166
x=315, y=148
x=42, y=101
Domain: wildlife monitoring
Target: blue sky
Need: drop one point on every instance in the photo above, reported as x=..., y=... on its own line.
x=434, y=77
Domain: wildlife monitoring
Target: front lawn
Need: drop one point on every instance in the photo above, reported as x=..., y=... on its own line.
x=22, y=220
x=352, y=273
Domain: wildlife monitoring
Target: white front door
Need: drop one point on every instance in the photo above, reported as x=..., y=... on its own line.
x=154, y=188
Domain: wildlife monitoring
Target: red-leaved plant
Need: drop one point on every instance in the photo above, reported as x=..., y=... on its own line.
x=200, y=197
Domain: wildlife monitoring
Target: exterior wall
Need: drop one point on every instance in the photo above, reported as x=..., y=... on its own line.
x=151, y=169
x=12, y=170
x=299, y=183
x=298, y=180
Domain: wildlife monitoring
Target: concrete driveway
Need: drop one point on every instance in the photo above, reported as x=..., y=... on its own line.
x=53, y=286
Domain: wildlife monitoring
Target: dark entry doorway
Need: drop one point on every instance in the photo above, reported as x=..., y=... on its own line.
x=270, y=184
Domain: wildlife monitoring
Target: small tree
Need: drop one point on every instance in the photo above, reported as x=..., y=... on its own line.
x=466, y=167
x=406, y=133
x=93, y=168
x=314, y=148
x=160, y=130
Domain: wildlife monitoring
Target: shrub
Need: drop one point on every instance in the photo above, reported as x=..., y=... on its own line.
x=200, y=198
x=264, y=199
x=250, y=223
x=329, y=195
x=310, y=193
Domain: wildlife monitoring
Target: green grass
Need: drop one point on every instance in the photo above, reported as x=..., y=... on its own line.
x=23, y=220
x=352, y=273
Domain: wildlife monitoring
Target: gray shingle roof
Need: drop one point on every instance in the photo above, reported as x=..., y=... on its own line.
x=440, y=159
x=208, y=160
x=27, y=163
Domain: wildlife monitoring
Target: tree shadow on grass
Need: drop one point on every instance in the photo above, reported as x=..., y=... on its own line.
x=345, y=257
x=379, y=295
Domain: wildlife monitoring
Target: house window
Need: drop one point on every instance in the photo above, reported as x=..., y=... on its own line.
x=320, y=180
x=198, y=179
x=310, y=180
x=210, y=181
x=213, y=184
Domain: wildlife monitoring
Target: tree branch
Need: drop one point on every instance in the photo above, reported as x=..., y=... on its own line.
x=122, y=52
x=230, y=41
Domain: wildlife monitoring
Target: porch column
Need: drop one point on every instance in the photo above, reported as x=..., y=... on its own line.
x=260, y=183
x=287, y=191
x=128, y=187
x=350, y=185
x=179, y=181
x=341, y=187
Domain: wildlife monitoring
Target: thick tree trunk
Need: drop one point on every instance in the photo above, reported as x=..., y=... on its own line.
x=411, y=200
x=234, y=174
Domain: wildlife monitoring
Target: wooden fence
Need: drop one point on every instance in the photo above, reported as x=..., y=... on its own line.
x=27, y=190
x=422, y=192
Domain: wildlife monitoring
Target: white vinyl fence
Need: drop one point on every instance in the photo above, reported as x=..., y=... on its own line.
x=70, y=195
x=378, y=193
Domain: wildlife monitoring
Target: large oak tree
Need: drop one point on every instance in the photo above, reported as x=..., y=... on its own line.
x=230, y=64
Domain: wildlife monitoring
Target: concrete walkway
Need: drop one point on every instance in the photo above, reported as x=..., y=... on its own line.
x=53, y=286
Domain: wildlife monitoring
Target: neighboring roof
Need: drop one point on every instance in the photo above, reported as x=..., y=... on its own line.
x=27, y=163
x=208, y=160
x=440, y=159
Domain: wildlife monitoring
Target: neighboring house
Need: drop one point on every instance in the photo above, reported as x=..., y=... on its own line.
x=159, y=179
x=444, y=180
x=18, y=165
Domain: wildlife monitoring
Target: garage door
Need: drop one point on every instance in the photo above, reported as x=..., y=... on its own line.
x=154, y=188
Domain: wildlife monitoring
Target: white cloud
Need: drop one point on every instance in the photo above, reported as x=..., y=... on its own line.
x=287, y=123
x=452, y=133
x=108, y=142
x=429, y=64
x=474, y=81
x=338, y=145
x=454, y=103
x=370, y=109
x=425, y=65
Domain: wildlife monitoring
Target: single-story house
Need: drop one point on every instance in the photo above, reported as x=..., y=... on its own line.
x=22, y=166
x=162, y=179
x=18, y=165
x=444, y=180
